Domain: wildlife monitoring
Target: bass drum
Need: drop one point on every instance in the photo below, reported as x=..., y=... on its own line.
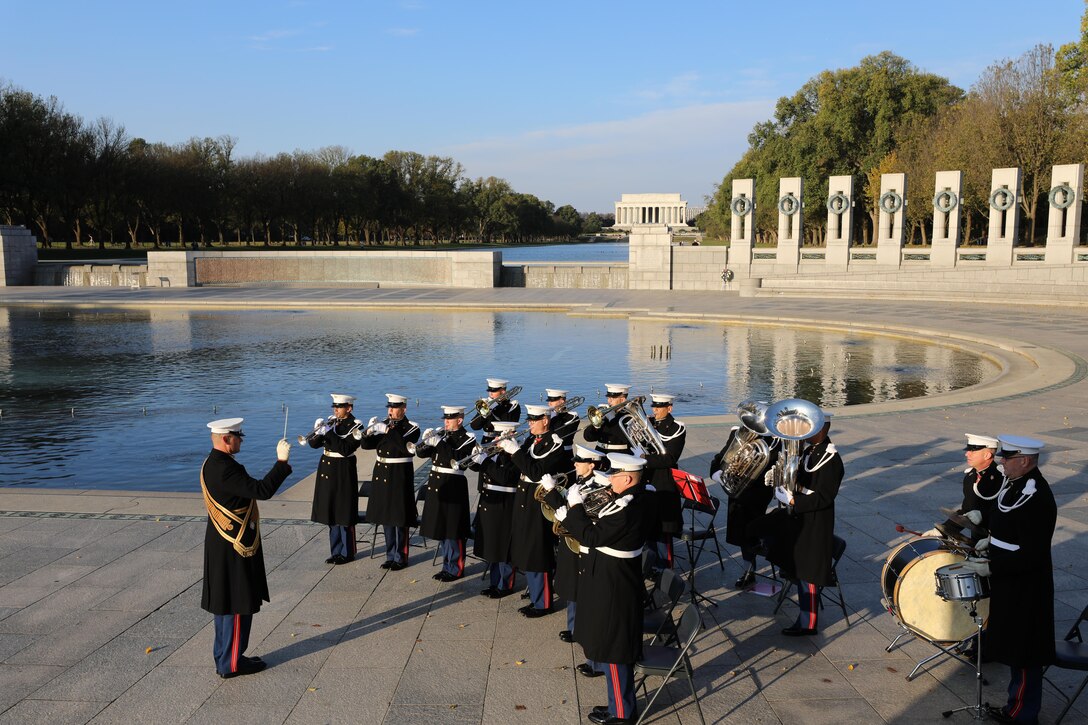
x=909, y=584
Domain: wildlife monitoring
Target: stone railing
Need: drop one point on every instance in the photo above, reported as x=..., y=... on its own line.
x=573, y=275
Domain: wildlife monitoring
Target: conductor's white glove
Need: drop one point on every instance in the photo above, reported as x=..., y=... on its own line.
x=979, y=566
x=574, y=496
x=782, y=495
x=283, y=450
x=975, y=517
x=932, y=532
x=509, y=445
x=982, y=544
x=378, y=429
x=547, y=481
x=716, y=477
x=357, y=434
x=561, y=513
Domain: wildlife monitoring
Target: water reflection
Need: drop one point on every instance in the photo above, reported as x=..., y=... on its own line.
x=119, y=398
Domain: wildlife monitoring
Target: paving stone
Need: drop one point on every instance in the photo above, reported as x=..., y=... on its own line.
x=68, y=645
x=530, y=696
x=51, y=711
x=404, y=714
x=70, y=604
x=445, y=673
x=347, y=696
x=17, y=681
x=164, y=695
x=830, y=712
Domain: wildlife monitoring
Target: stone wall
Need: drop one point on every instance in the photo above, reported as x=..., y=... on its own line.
x=18, y=256
x=66, y=274
x=565, y=276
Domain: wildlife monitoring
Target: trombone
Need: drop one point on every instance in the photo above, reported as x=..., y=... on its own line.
x=569, y=404
x=487, y=450
x=484, y=406
x=596, y=415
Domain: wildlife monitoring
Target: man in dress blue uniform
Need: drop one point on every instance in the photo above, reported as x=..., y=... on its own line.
x=445, y=508
x=981, y=481
x=506, y=410
x=609, y=438
x=336, y=490
x=564, y=423
x=498, y=484
x=608, y=623
x=659, y=466
x=392, y=502
x=234, y=576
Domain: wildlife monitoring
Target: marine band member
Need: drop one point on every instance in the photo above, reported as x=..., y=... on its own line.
x=981, y=481
x=336, y=490
x=392, y=502
x=234, y=576
x=508, y=410
x=498, y=482
x=673, y=434
x=610, y=438
x=564, y=424
x=445, y=509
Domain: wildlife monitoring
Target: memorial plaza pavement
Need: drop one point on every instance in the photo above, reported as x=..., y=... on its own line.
x=99, y=590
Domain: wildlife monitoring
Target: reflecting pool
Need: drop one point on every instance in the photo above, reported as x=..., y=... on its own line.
x=119, y=398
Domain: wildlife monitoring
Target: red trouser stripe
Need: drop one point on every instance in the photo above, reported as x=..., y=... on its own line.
x=618, y=697
x=235, y=640
x=404, y=538
x=810, y=592
x=510, y=582
x=668, y=550
x=547, y=592
x=1018, y=703
x=460, y=557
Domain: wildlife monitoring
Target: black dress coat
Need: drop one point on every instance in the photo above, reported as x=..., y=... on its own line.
x=1020, y=632
x=568, y=564
x=336, y=490
x=979, y=490
x=565, y=425
x=533, y=546
x=821, y=472
x=752, y=501
x=508, y=410
x=659, y=469
x=608, y=623
x=234, y=584
x=392, y=492
x=445, y=508
x=610, y=437
x=495, y=509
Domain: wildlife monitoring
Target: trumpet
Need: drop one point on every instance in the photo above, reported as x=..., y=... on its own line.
x=569, y=404
x=484, y=406
x=487, y=450
x=305, y=440
x=596, y=415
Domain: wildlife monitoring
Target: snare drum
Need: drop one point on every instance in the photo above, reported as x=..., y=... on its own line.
x=907, y=580
x=956, y=584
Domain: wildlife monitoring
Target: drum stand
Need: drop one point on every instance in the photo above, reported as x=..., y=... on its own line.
x=952, y=650
x=977, y=710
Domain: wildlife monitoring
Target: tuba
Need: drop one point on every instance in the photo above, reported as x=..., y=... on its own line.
x=793, y=420
x=748, y=452
x=484, y=405
x=638, y=429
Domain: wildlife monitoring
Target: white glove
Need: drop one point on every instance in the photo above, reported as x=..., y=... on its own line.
x=932, y=532
x=370, y=423
x=574, y=497
x=975, y=517
x=479, y=458
x=379, y=429
x=547, y=481
x=319, y=423
x=430, y=437
x=357, y=434
x=509, y=445
x=638, y=451
x=982, y=544
x=979, y=566
x=283, y=450
x=768, y=477
x=561, y=513
x=782, y=495
x=716, y=477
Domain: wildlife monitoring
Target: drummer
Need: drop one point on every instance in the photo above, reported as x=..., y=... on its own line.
x=981, y=482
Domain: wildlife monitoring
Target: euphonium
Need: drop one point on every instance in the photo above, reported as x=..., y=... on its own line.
x=793, y=421
x=594, y=498
x=748, y=453
x=484, y=405
x=638, y=429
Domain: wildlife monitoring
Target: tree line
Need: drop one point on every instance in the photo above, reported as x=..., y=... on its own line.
x=73, y=181
x=886, y=116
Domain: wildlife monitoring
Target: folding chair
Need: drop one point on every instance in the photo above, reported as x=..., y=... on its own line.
x=669, y=662
x=1070, y=655
x=838, y=548
x=365, y=487
x=700, y=529
x=667, y=595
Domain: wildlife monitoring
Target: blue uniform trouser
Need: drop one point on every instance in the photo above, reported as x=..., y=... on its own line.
x=396, y=543
x=540, y=588
x=1025, y=693
x=502, y=576
x=808, y=598
x=453, y=556
x=621, y=690
x=342, y=541
x=231, y=640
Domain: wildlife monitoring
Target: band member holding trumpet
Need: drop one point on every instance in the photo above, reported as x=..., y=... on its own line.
x=392, y=503
x=608, y=623
x=496, y=406
x=336, y=490
x=234, y=577
x=981, y=482
x=1020, y=632
x=565, y=421
x=498, y=482
x=673, y=435
x=533, y=546
x=605, y=429
x=445, y=509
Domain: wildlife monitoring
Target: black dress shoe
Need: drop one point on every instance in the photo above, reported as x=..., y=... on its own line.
x=245, y=667
x=502, y=593
x=600, y=708
x=490, y=592
x=338, y=560
x=387, y=564
x=798, y=631
x=330, y=560
x=395, y=566
x=253, y=660
x=746, y=580
x=566, y=635
x=587, y=671
x=344, y=560
x=532, y=612
x=603, y=718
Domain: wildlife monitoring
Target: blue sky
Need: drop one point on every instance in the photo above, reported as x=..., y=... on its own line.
x=575, y=102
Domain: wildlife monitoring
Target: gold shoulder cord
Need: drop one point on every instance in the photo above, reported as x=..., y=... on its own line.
x=223, y=519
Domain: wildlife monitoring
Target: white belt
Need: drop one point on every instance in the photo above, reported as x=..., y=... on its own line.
x=613, y=446
x=394, y=460
x=994, y=541
x=502, y=489
x=330, y=454
x=619, y=553
x=443, y=469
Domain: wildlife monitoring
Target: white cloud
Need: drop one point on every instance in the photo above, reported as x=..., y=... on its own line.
x=686, y=150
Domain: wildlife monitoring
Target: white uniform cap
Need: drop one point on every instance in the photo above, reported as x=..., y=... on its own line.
x=342, y=399
x=661, y=399
x=601, y=478
x=1012, y=445
x=617, y=388
x=226, y=425
x=537, y=411
x=452, y=411
x=496, y=383
x=505, y=426
x=586, y=454
x=977, y=441
x=626, y=462
x=396, y=400
x=554, y=393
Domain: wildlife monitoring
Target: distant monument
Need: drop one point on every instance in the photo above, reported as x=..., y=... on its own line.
x=644, y=209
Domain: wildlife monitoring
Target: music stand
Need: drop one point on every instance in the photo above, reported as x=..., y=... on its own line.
x=693, y=489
